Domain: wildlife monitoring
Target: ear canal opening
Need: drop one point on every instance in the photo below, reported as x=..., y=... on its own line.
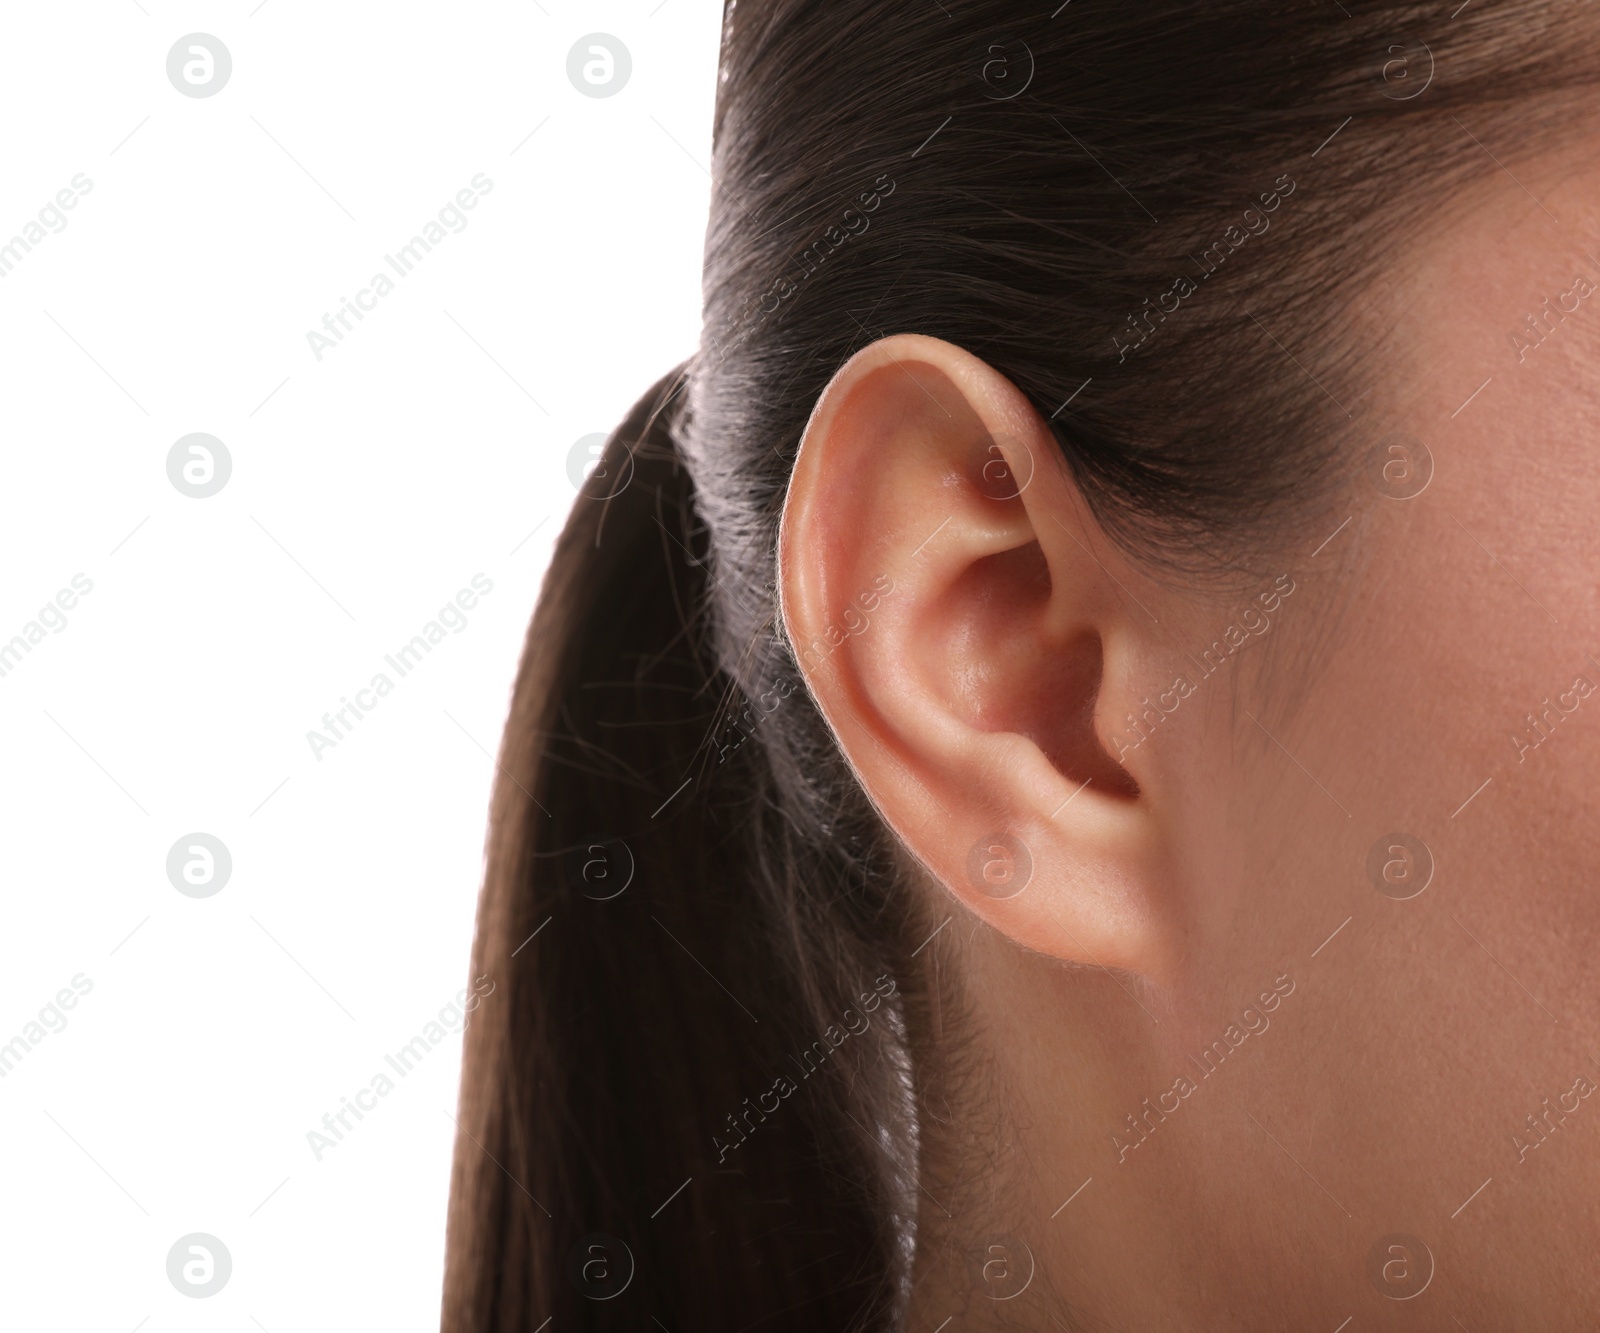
x=1074, y=747
x=1048, y=692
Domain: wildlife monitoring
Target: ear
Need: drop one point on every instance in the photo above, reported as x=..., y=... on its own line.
x=971, y=636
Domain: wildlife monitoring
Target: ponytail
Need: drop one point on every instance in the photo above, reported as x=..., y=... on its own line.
x=651, y=1121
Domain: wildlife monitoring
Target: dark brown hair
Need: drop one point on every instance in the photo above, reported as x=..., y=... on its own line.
x=689, y=903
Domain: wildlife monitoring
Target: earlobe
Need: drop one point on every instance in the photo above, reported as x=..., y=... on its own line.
x=951, y=609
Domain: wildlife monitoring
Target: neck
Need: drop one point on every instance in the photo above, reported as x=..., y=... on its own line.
x=1063, y=1184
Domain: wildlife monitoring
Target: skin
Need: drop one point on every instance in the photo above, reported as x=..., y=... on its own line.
x=1411, y=1036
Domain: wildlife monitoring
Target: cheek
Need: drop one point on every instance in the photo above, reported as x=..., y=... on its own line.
x=1389, y=698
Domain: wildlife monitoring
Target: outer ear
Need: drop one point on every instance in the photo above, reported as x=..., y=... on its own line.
x=968, y=634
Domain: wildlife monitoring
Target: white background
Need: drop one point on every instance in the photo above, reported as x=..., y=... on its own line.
x=367, y=488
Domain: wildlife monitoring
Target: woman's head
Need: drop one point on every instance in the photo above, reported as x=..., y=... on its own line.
x=1077, y=689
